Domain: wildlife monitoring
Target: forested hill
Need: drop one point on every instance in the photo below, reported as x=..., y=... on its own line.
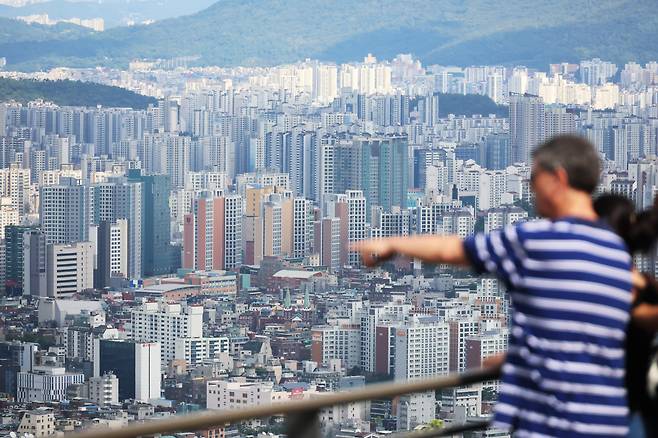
x=469, y=105
x=71, y=93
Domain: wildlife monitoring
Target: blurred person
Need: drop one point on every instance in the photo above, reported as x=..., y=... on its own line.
x=640, y=232
x=569, y=277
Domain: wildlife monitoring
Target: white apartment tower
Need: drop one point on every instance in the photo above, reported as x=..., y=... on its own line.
x=69, y=268
x=302, y=233
x=66, y=211
x=421, y=348
x=9, y=215
x=356, y=219
x=196, y=350
x=119, y=248
x=337, y=342
x=104, y=390
x=164, y=323
x=15, y=184
x=178, y=159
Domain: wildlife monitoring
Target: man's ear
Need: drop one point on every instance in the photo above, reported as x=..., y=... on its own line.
x=562, y=176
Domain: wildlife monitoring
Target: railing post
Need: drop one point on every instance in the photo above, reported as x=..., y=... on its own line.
x=303, y=425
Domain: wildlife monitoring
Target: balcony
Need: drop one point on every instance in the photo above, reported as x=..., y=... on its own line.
x=303, y=415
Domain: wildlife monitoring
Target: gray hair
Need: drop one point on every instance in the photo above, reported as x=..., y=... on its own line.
x=576, y=155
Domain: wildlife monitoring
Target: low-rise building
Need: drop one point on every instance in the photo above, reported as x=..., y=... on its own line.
x=45, y=384
x=38, y=423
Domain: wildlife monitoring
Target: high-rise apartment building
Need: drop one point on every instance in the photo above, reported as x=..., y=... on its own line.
x=492, y=186
x=483, y=346
x=421, y=348
x=66, y=211
x=457, y=222
x=596, y=72
x=356, y=222
x=212, y=235
x=396, y=222
x=414, y=348
x=371, y=318
x=255, y=196
x=111, y=243
x=498, y=218
x=378, y=166
x=559, y=121
x=178, y=159
x=14, y=252
x=460, y=329
x=120, y=198
x=275, y=212
x=495, y=152
x=165, y=323
x=15, y=184
x=8, y=215
x=3, y=120
x=327, y=243
x=158, y=255
x=527, y=125
x=341, y=342
x=350, y=208
x=325, y=82
x=428, y=109
x=35, y=259
x=69, y=268
x=301, y=228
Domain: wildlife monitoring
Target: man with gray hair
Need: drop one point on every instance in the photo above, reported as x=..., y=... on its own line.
x=569, y=277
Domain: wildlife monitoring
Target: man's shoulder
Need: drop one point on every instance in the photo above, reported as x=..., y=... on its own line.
x=535, y=225
x=565, y=228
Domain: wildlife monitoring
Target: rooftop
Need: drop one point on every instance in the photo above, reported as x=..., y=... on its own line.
x=290, y=273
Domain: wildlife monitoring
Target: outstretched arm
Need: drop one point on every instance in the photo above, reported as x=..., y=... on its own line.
x=428, y=248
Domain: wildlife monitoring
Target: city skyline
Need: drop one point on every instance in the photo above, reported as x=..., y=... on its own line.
x=179, y=220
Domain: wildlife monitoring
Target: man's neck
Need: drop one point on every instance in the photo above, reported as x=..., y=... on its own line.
x=577, y=205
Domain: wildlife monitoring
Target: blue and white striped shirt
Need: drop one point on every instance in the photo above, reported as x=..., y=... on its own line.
x=570, y=285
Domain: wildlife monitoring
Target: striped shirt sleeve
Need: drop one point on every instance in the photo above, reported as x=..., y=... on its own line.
x=498, y=253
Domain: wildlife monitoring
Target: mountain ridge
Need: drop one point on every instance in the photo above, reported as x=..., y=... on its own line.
x=269, y=32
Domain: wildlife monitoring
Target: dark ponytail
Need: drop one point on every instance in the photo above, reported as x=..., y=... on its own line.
x=639, y=230
x=644, y=231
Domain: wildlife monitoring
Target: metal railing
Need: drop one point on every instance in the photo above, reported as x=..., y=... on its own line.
x=302, y=415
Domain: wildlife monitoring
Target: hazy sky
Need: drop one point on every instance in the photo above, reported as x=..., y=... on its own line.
x=114, y=12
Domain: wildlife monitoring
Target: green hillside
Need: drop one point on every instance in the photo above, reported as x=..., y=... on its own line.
x=468, y=105
x=266, y=32
x=15, y=31
x=71, y=93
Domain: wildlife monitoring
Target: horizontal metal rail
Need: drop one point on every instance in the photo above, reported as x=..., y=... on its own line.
x=445, y=431
x=209, y=419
